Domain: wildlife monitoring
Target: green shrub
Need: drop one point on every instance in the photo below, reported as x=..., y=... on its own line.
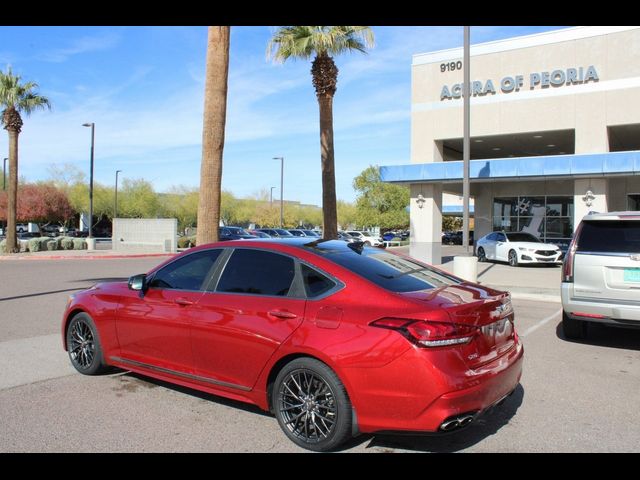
x=66, y=243
x=3, y=247
x=35, y=244
x=79, y=244
x=52, y=244
x=24, y=245
x=187, y=242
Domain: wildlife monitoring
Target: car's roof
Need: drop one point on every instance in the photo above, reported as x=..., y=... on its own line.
x=306, y=243
x=628, y=215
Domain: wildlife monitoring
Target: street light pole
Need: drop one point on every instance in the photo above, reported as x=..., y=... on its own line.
x=281, y=189
x=466, y=145
x=93, y=128
x=115, y=198
x=4, y=174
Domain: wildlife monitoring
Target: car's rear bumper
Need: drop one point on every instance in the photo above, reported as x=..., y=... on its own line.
x=598, y=310
x=411, y=396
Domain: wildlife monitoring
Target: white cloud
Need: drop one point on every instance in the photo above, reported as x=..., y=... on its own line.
x=87, y=44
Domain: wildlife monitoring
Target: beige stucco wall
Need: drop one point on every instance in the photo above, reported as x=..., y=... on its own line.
x=568, y=107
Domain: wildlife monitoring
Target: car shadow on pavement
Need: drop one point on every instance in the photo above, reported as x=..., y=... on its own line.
x=38, y=294
x=600, y=335
x=150, y=382
x=105, y=279
x=479, y=430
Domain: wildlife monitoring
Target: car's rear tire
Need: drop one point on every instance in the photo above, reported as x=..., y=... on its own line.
x=574, y=329
x=482, y=256
x=513, y=258
x=83, y=345
x=312, y=405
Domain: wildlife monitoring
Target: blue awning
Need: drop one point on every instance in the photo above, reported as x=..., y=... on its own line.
x=591, y=165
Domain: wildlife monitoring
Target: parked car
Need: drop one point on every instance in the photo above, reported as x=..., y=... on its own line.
x=22, y=227
x=276, y=232
x=517, y=248
x=368, y=238
x=289, y=326
x=601, y=274
x=233, y=233
x=312, y=233
x=259, y=234
x=344, y=236
x=455, y=238
x=297, y=233
x=51, y=229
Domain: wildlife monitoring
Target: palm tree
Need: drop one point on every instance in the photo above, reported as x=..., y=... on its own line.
x=16, y=97
x=215, y=112
x=323, y=42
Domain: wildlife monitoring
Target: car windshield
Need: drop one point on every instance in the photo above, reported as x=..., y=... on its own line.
x=283, y=233
x=237, y=231
x=389, y=271
x=367, y=234
x=522, y=237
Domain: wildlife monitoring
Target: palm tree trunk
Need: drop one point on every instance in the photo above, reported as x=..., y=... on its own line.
x=12, y=194
x=329, y=208
x=215, y=111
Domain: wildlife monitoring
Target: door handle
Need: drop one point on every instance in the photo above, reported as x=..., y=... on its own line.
x=281, y=314
x=183, y=301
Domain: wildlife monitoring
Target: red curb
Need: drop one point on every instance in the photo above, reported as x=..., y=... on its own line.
x=88, y=257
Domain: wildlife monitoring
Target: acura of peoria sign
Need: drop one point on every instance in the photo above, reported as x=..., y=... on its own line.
x=536, y=80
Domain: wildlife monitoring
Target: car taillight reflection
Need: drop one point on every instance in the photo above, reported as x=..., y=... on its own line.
x=567, y=265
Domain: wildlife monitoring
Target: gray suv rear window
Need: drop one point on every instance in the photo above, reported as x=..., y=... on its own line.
x=621, y=236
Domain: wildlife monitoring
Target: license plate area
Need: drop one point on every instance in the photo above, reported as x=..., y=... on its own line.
x=631, y=275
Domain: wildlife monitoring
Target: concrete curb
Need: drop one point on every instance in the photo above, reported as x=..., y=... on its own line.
x=83, y=257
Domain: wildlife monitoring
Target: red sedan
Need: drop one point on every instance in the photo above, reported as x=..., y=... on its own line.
x=333, y=338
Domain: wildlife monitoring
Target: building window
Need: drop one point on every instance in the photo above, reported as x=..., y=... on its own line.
x=550, y=218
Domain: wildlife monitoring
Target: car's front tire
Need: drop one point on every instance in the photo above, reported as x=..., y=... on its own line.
x=83, y=345
x=482, y=256
x=312, y=405
x=573, y=329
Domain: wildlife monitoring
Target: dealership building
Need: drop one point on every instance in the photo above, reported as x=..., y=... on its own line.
x=555, y=133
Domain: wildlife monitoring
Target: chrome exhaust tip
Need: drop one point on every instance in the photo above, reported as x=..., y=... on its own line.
x=449, y=425
x=456, y=422
x=466, y=420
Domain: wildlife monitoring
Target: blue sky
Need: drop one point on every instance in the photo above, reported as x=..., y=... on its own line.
x=143, y=87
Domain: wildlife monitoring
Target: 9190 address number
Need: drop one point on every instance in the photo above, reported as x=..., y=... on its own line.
x=451, y=66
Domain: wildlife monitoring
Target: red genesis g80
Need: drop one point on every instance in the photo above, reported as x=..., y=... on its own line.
x=334, y=338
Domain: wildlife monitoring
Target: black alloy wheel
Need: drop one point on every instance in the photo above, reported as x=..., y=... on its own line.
x=311, y=405
x=482, y=257
x=84, y=347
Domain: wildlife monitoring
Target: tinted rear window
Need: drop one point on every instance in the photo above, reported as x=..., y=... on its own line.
x=315, y=283
x=257, y=272
x=621, y=236
x=391, y=272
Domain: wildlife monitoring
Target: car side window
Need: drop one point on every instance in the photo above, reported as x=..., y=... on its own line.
x=500, y=237
x=315, y=283
x=492, y=237
x=257, y=272
x=186, y=273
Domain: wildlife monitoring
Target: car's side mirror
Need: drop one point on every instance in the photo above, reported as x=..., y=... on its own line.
x=138, y=282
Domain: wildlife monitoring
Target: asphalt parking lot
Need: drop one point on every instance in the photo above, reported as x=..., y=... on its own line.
x=574, y=397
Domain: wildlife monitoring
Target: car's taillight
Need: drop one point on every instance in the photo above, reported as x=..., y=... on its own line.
x=567, y=264
x=429, y=334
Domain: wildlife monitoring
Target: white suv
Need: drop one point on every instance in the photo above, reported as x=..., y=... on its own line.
x=367, y=237
x=601, y=273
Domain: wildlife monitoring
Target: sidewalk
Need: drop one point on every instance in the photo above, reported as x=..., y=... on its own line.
x=81, y=255
x=528, y=282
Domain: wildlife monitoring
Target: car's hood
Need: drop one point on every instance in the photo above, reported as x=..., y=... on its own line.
x=534, y=245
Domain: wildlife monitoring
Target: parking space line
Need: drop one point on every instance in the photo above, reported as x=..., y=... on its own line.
x=541, y=323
